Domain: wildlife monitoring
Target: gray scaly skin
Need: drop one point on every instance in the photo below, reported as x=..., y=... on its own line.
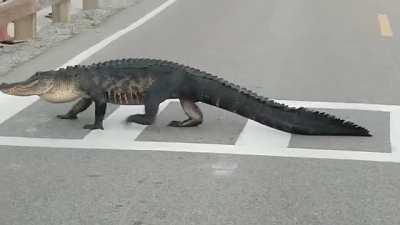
x=151, y=81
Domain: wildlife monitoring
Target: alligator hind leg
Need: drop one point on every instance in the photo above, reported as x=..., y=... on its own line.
x=192, y=111
x=79, y=107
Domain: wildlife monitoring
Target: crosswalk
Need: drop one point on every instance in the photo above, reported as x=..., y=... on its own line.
x=225, y=135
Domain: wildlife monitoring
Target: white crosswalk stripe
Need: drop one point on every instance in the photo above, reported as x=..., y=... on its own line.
x=255, y=135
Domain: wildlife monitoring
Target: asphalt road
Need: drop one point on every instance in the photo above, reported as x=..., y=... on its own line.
x=294, y=50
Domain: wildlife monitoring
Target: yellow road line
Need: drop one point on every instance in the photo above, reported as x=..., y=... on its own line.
x=384, y=23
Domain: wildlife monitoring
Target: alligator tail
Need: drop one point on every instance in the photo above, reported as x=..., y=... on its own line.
x=223, y=94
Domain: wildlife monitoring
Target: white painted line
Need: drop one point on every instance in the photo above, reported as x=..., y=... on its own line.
x=11, y=105
x=116, y=129
x=395, y=133
x=102, y=44
x=256, y=135
x=199, y=148
x=341, y=105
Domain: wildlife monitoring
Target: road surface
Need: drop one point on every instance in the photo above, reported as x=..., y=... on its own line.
x=340, y=56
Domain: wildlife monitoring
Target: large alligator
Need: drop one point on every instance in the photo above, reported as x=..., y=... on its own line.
x=151, y=81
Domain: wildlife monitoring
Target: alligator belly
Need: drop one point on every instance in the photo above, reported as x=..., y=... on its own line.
x=125, y=98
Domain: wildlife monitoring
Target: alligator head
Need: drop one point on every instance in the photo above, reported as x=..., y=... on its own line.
x=49, y=85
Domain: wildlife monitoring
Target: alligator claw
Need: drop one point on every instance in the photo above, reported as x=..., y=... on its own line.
x=67, y=117
x=185, y=123
x=93, y=127
x=175, y=123
x=140, y=119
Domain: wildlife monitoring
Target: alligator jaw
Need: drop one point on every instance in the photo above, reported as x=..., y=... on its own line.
x=26, y=88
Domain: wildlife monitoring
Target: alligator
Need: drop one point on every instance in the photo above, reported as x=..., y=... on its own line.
x=149, y=82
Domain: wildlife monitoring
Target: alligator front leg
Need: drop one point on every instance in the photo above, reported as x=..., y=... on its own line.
x=100, y=111
x=79, y=107
x=144, y=119
x=151, y=104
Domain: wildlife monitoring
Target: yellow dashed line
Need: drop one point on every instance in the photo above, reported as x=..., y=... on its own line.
x=384, y=23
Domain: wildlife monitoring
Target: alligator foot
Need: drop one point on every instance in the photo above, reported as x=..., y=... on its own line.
x=185, y=123
x=140, y=119
x=93, y=126
x=67, y=117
